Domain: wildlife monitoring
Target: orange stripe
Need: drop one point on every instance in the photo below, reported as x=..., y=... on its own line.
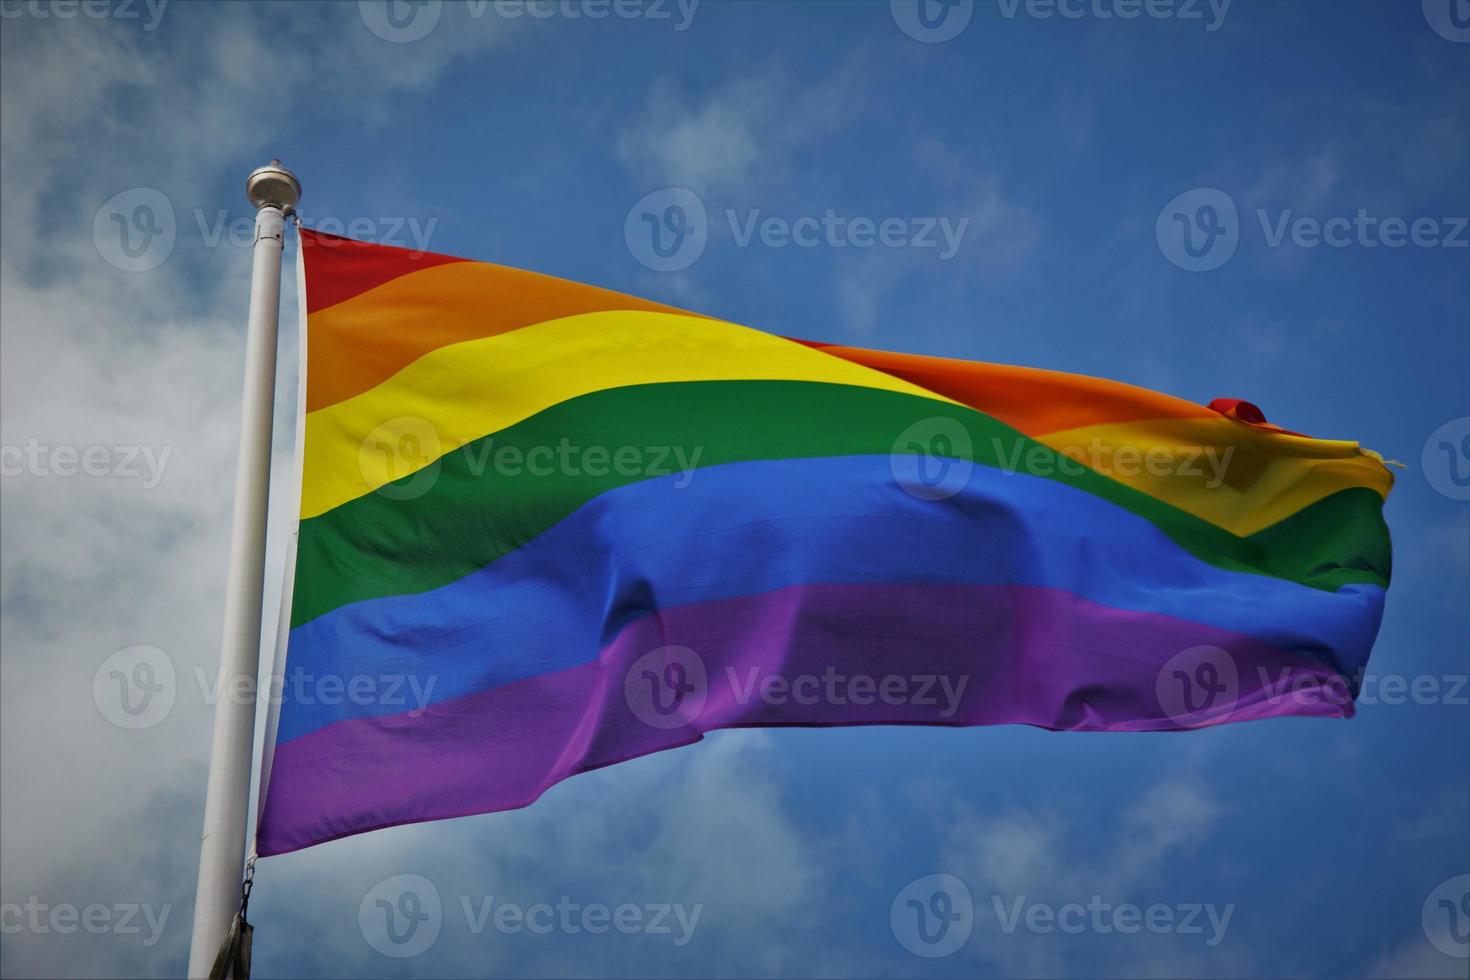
x=361, y=342
x=1033, y=400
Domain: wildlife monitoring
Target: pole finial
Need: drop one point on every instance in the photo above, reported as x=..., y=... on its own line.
x=273, y=186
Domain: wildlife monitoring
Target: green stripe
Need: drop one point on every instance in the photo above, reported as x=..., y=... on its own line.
x=1339, y=539
x=478, y=503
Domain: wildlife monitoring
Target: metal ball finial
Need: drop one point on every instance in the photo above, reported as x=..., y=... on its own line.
x=273, y=186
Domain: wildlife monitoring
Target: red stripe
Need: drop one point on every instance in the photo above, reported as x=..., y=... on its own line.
x=340, y=268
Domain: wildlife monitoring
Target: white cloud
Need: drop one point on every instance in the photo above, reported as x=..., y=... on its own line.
x=997, y=235
x=738, y=147
x=1033, y=856
x=700, y=826
x=740, y=138
x=95, y=356
x=1416, y=959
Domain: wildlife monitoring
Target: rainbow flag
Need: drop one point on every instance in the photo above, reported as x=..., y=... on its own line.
x=546, y=527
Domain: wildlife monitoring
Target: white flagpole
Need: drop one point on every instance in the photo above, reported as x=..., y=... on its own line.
x=274, y=191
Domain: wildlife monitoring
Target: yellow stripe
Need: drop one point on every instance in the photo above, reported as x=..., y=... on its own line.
x=372, y=336
x=459, y=393
x=1240, y=478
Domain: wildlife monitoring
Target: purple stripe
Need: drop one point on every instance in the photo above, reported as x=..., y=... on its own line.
x=805, y=655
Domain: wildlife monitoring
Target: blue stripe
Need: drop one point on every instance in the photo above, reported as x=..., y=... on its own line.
x=750, y=527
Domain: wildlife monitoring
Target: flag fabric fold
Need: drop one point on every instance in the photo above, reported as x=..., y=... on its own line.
x=546, y=527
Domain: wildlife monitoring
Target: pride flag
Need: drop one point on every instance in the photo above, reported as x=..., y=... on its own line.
x=546, y=527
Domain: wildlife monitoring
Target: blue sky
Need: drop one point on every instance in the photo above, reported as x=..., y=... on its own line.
x=1059, y=144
